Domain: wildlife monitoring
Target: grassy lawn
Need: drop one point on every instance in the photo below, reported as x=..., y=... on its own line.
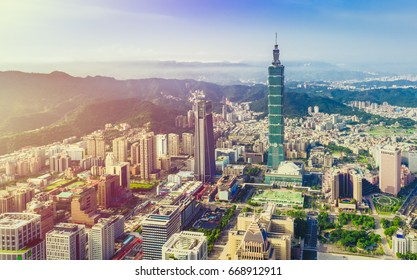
x=75, y=185
x=142, y=185
x=57, y=184
x=389, y=131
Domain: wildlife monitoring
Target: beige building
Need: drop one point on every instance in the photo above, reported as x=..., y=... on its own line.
x=134, y=153
x=357, y=187
x=147, y=156
x=96, y=146
x=15, y=198
x=261, y=237
x=390, y=170
x=108, y=191
x=120, y=149
x=188, y=144
x=173, y=144
x=84, y=206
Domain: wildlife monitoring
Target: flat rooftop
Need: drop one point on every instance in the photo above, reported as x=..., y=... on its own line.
x=15, y=220
x=165, y=210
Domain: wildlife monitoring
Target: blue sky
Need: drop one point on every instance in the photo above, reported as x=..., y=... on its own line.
x=345, y=32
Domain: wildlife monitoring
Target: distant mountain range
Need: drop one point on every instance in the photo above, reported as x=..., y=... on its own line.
x=225, y=73
x=37, y=109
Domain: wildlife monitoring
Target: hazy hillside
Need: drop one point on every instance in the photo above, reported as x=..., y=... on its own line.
x=37, y=109
x=88, y=118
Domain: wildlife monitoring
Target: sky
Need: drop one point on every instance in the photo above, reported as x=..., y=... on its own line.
x=339, y=31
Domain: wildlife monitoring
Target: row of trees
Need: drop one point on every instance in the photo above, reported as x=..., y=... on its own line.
x=366, y=222
x=214, y=234
x=252, y=171
x=407, y=256
x=390, y=227
x=323, y=220
x=355, y=238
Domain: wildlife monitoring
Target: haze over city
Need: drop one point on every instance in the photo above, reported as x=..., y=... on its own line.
x=48, y=35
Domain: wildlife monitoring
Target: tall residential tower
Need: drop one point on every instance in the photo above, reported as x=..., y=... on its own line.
x=276, y=119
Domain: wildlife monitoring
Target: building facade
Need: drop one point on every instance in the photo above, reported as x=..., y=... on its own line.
x=390, y=170
x=186, y=245
x=101, y=238
x=204, y=161
x=84, y=206
x=66, y=242
x=147, y=164
x=275, y=114
x=21, y=237
x=120, y=149
x=157, y=228
x=173, y=144
x=188, y=144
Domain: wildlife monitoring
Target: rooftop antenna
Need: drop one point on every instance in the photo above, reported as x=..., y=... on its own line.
x=276, y=52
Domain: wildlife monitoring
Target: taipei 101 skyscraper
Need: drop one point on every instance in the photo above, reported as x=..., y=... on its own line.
x=276, y=119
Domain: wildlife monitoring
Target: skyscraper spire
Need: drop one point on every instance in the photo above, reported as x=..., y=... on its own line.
x=276, y=52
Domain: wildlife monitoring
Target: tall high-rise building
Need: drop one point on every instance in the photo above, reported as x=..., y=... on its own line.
x=122, y=169
x=10, y=168
x=15, y=198
x=346, y=183
x=120, y=149
x=173, y=144
x=66, y=242
x=21, y=237
x=22, y=167
x=21, y=196
x=186, y=245
x=102, y=236
x=188, y=144
x=204, y=162
x=96, y=146
x=157, y=228
x=59, y=163
x=390, y=170
x=161, y=145
x=108, y=191
x=35, y=165
x=134, y=153
x=110, y=161
x=356, y=180
x=275, y=112
x=147, y=164
x=6, y=202
x=190, y=118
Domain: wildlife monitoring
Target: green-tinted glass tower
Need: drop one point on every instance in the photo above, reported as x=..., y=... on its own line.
x=276, y=119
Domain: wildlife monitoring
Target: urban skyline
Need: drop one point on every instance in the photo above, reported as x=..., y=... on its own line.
x=183, y=169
